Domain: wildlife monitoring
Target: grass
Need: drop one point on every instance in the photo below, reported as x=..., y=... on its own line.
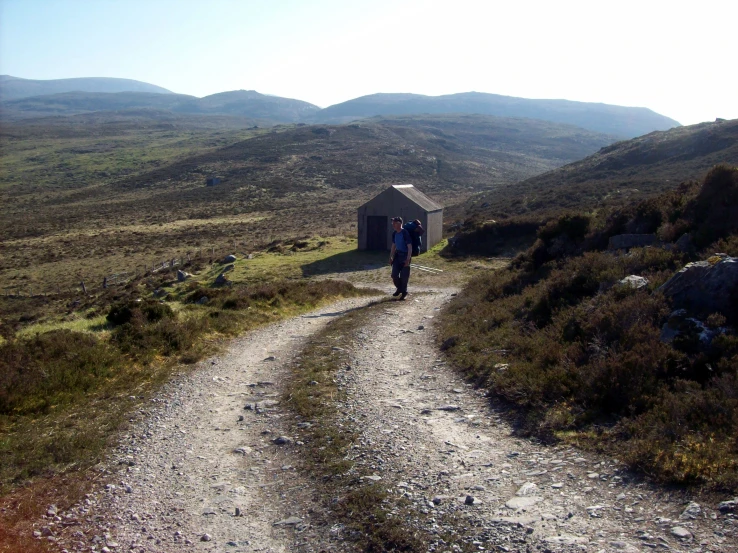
x=582, y=358
x=66, y=393
x=313, y=395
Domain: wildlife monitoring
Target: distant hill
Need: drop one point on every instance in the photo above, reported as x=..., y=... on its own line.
x=621, y=121
x=628, y=170
x=12, y=88
x=74, y=103
x=249, y=103
x=446, y=154
x=240, y=103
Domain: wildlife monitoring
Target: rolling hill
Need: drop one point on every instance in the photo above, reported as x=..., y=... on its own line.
x=625, y=122
x=12, y=88
x=624, y=171
x=106, y=191
x=239, y=103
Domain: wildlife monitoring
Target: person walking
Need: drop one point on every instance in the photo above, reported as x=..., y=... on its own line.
x=400, y=255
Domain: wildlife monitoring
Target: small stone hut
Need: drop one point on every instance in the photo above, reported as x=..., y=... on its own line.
x=403, y=200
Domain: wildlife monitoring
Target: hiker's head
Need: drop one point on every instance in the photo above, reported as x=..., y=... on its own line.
x=397, y=223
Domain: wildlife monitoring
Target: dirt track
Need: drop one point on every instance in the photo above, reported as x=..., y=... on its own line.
x=189, y=463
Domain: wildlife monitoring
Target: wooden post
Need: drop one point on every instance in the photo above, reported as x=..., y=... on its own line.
x=105, y=280
x=84, y=288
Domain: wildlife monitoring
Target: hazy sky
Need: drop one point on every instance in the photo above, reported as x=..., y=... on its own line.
x=677, y=58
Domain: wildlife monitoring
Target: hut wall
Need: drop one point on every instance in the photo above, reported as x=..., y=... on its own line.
x=434, y=230
x=392, y=203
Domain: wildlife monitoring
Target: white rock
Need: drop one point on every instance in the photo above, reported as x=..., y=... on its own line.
x=522, y=502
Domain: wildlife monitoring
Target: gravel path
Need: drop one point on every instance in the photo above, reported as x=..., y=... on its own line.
x=192, y=476
x=442, y=445
x=198, y=471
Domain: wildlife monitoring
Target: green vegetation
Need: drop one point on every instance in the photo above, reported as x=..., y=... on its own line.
x=77, y=386
x=582, y=356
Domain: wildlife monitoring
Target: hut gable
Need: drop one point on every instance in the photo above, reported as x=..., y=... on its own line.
x=416, y=196
x=403, y=200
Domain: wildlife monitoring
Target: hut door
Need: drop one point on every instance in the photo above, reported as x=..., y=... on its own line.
x=376, y=233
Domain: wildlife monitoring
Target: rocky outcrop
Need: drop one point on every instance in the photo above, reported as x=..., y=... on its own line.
x=705, y=287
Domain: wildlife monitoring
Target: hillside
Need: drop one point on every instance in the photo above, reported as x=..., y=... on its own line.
x=240, y=103
x=74, y=103
x=622, y=121
x=249, y=103
x=12, y=88
x=632, y=351
x=97, y=197
x=624, y=171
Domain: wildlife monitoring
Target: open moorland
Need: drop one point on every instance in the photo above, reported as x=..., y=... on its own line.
x=571, y=356
x=91, y=196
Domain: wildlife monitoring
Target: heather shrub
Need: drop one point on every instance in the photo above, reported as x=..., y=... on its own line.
x=556, y=335
x=51, y=369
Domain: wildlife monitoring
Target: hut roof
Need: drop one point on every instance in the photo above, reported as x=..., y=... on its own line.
x=412, y=193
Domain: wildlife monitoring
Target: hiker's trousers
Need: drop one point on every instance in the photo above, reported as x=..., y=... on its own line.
x=400, y=273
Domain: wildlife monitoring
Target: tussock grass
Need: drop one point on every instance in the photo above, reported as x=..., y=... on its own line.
x=582, y=357
x=365, y=509
x=65, y=394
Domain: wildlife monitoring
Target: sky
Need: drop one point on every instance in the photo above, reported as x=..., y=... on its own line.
x=676, y=58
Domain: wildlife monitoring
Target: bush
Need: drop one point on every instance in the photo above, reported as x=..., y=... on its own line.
x=144, y=311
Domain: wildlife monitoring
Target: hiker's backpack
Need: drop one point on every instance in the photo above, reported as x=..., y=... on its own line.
x=416, y=231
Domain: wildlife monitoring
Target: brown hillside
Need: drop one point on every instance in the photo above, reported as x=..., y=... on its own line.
x=629, y=170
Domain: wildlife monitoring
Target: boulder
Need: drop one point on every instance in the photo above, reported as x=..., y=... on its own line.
x=221, y=280
x=229, y=258
x=729, y=506
x=182, y=276
x=203, y=300
x=705, y=287
x=634, y=281
x=627, y=241
x=228, y=268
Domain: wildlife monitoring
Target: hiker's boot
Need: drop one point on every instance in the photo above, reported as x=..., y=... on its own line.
x=397, y=293
x=403, y=296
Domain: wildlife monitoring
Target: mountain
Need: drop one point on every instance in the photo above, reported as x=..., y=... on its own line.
x=13, y=87
x=249, y=103
x=624, y=171
x=73, y=103
x=240, y=103
x=625, y=122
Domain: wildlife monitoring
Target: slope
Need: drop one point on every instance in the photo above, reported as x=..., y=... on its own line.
x=239, y=103
x=622, y=121
x=80, y=198
x=14, y=87
x=631, y=169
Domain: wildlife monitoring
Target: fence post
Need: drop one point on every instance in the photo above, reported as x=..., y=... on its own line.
x=84, y=288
